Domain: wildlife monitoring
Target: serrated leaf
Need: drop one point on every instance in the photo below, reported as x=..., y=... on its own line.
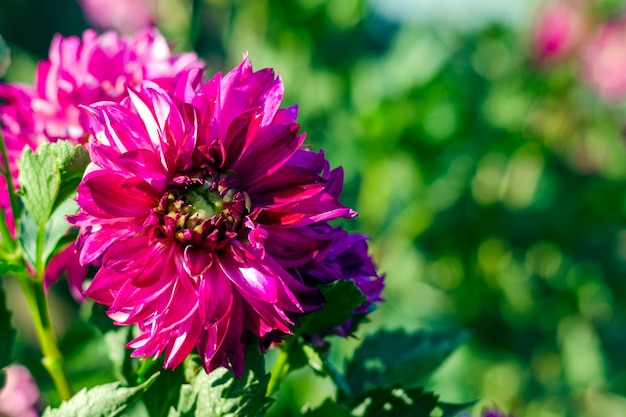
x=49, y=175
x=39, y=181
x=390, y=358
x=5, y=57
x=329, y=409
x=108, y=400
x=221, y=394
x=398, y=402
x=71, y=161
x=342, y=297
x=7, y=332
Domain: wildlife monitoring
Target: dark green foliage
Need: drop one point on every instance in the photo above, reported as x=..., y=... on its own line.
x=342, y=297
x=7, y=333
x=395, y=358
x=398, y=402
x=220, y=394
x=108, y=400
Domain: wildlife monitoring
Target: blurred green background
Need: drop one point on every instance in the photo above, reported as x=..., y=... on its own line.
x=492, y=188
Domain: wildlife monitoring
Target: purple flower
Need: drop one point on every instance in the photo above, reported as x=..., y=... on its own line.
x=346, y=258
x=19, y=395
x=200, y=205
x=80, y=71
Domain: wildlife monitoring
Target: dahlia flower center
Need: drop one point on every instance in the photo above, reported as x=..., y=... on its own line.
x=204, y=211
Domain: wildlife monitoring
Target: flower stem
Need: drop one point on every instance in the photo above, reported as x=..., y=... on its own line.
x=6, y=172
x=52, y=358
x=7, y=240
x=279, y=371
x=194, y=23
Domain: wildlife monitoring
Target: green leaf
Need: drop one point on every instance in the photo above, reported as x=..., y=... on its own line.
x=47, y=178
x=28, y=237
x=7, y=332
x=453, y=410
x=221, y=394
x=108, y=400
x=50, y=175
x=71, y=161
x=398, y=402
x=329, y=409
x=5, y=57
x=123, y=365
x=164, y=393
x=57, y=227
x=342, y=297
x=390, y=358
x=40, y=181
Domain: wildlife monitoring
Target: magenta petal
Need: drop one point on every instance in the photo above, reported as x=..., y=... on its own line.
x=272, y=146
x=196, y=261
x=95, y=244
x=119, y=196
x=146, y=164
x=67, y=261
x=105, y=286
x=255, y=283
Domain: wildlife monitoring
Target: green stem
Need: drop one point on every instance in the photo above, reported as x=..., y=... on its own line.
x=194, y=23
x=279, y=371
x=52, y=358
x=6, y=172
x=7, y=240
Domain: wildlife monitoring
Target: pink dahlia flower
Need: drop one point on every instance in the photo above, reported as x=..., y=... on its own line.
x=127, y=16
x=558, y=29
x=197, y=205
x=604, y=61
x=18, y=397
x=79, y=72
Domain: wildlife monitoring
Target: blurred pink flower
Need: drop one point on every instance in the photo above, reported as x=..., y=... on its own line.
x=558, y=30
x=81, y=71
x=126, y=16
x=182, y=194
x=604, y=60
x=18, y=397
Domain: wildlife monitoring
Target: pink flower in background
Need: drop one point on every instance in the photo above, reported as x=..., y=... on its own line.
x=18, y=397
x=81, y=71
x=127, y=16
x=604, y=60
x=180, y=204
x=558, y=29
